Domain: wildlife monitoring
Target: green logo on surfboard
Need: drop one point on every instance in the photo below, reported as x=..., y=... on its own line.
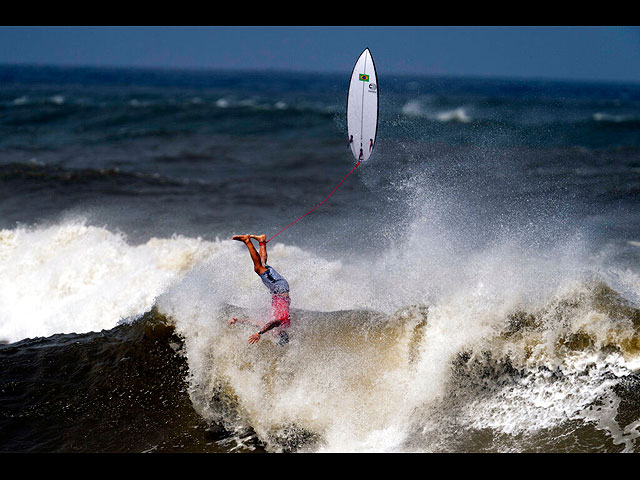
x=363, y=77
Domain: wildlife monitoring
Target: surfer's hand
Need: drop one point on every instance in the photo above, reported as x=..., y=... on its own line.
x=233, y=320
x=254, y=338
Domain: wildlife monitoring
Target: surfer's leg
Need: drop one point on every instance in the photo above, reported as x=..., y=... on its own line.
x=257, y=261
x=262, y=240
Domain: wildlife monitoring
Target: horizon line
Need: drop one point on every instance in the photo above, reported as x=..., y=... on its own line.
x=212, y=69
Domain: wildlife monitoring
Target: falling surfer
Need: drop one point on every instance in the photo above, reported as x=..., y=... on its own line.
x=276, y=284
x=362, y=119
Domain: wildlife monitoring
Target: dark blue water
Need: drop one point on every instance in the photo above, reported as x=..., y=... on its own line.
x=233, y=150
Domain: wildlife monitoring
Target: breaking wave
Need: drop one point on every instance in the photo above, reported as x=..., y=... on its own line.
x=386, y=354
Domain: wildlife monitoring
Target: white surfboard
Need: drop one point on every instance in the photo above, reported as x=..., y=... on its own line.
x=362, y=107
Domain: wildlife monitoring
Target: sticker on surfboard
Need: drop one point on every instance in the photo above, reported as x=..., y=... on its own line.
x=362, y=107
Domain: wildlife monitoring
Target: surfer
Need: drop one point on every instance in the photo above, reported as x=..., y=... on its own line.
x=276, y=284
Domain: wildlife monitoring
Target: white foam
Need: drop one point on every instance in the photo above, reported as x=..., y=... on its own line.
x=608, y=117
x=458, y=114
x=416, y=108
x=20, y=100
x=413, y=108
x=544, y=399
x=57, y=99
x=78, y=278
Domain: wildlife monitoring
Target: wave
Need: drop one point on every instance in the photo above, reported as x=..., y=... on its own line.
x=76, y=278
x=485, y=114
x=30, y=101
x=344, y=370
x=375, y=341
x=153, y=104
x=458, y=115
x=111, y=180
x=607, y=117
x=357, y=380
x=387, y=353
x=120, y=390
x=415, y=108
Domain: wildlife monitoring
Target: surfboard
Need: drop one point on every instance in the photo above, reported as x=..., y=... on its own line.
x=362, y=107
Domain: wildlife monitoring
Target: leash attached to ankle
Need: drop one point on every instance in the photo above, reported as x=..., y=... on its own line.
x=332, y=192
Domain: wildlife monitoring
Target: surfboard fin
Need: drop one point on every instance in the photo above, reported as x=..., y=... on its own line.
x=350, y=141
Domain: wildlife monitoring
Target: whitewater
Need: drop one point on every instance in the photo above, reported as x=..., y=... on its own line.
x=381, y=346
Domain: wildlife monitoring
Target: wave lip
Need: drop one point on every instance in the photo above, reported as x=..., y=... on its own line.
x=20, y=100
x=415, y=108
x=75, y=278
x=457, y=115
x=608, y=117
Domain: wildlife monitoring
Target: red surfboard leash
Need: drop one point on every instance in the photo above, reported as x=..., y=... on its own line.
x=332, y=192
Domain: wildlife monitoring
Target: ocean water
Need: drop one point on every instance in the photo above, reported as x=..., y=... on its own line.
x=473, y=287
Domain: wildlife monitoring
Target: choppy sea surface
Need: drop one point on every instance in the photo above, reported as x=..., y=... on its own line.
x=473, y=287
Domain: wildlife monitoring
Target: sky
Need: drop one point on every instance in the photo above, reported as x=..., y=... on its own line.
x=564, y=53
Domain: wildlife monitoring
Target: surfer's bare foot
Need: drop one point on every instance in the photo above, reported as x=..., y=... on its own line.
x=241, y=238
x=261, y=238
x=263, y=247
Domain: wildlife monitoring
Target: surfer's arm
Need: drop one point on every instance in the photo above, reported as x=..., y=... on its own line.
x=269, y=326
x=256, y=336
x=235, y=320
